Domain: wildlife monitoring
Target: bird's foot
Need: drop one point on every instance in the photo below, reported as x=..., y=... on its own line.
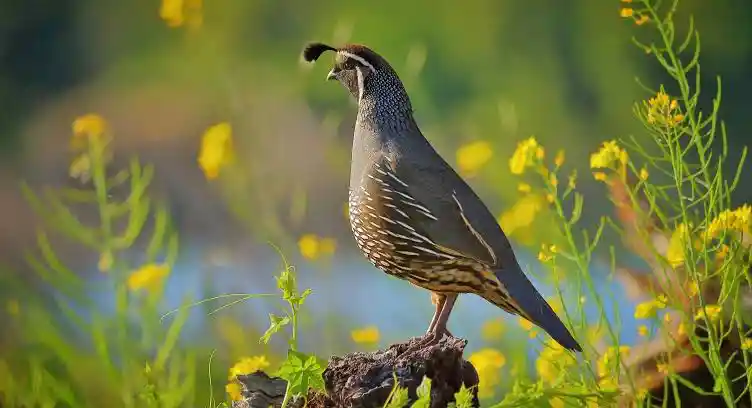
x=426, y=340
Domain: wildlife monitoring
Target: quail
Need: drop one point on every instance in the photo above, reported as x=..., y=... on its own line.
x=412, y=215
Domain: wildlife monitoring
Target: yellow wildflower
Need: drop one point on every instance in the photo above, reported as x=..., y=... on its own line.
x=309, y=246
x=711, y=312
x=608, y=358
x=526, y=154
x=217, y=149
x=644, y=174
x=608, y=384
x=609, y=154
x=642, y=19
x=547, y=252
x=553, y=180
x=662, y=110
x=522, y=214
x=747, y=344
x=80, y=167
x=172, y=12
x=312, y=246
x=693, y=289
x=662, y=368
x=600, y=176
x=641, y=394
x=677, y=243
x=368, y=334
x=559, y=160
x=648, y=309
x=233, y=390
x=661, y=100
x=736, y=220
x=487, y=362
x=492, y=329
x=178, y=12
x=682, y=329
x=472, y=156
x=89, y=125
x=248, y=365
x=572, y=183
x=524, y=188
x=149, y=276
x=13, y=307
x=626, y=12
x=551, y=361
x=525, y=324
x=722, y=252
x=642, y=330
x=528, y=327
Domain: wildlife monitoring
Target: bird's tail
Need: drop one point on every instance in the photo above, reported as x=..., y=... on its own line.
x=527, y=302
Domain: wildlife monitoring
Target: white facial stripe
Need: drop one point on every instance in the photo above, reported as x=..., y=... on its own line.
x=360, y=59
x=361, y=83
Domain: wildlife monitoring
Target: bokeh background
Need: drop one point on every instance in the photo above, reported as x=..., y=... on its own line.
x=478, y=71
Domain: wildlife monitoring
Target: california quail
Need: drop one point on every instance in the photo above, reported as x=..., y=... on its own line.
x=411, y=213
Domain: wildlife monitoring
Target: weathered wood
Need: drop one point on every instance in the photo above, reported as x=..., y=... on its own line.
x=364, y=380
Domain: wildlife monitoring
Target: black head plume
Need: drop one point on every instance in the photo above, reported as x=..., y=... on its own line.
x=313, y=51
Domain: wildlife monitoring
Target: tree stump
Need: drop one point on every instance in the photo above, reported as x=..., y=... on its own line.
x=364, y=380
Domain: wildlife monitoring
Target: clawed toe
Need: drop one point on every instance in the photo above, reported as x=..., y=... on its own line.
x=427, y=340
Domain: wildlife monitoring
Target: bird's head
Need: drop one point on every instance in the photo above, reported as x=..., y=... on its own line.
x=360, y=70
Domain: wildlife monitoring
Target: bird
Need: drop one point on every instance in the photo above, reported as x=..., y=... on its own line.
x=412, y=215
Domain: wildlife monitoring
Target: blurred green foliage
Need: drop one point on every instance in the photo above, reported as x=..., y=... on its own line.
x=563, y=70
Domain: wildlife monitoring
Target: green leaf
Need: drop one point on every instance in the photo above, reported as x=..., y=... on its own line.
x=314, y=367
x=398, y=398
x=464, y=397
x=297, y=301
x=170, y=340
x=276, y=324
x=286, y=283
x=424, y=394
x=301, y=371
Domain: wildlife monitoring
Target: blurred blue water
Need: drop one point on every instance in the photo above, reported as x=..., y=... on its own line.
x=357, y=295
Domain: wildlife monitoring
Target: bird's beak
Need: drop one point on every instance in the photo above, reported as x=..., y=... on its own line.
x=332, y=74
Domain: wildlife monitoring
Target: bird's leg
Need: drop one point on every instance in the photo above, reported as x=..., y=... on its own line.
x=441, y=322
x=438, y=328
x=438, y=300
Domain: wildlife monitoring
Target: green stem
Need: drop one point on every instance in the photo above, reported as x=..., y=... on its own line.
x=96, y=152
x=286, y=399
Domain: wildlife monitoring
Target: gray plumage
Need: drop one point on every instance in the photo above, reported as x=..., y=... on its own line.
x=412, y=215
